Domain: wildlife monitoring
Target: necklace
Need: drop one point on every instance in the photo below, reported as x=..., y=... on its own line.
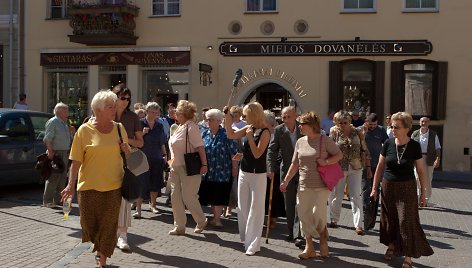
x=400, y=156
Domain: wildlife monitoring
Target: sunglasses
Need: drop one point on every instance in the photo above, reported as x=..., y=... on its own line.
x=303, y=123
x=396, y=127
x=342, y=123
x=125, y=98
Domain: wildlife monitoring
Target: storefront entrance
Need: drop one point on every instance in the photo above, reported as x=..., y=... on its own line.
x=272, y=97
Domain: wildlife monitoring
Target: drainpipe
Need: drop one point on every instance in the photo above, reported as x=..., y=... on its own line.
x=10, y=57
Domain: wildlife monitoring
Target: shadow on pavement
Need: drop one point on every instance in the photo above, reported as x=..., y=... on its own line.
x=169, y=260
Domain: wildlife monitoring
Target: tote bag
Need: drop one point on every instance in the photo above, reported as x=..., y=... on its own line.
x=193, y=163
x=330, y=174
x=131, y=186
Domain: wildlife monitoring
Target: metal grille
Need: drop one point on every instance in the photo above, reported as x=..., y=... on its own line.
x=67, y=69
x=113, y=69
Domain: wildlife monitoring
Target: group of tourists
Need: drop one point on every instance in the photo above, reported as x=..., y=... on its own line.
x=241, y=150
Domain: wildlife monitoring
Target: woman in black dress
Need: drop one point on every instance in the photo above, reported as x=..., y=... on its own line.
x=400, y=227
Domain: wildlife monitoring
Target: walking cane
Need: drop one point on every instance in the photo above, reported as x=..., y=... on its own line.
x=237, y=77
x=270, y=208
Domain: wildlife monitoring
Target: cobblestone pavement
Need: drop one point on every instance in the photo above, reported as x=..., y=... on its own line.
x=34, y=236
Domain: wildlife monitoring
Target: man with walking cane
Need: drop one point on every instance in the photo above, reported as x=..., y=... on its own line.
x=283, y=143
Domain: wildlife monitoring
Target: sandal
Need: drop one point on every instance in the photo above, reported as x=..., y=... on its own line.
x=388, y=254
x=407, y=264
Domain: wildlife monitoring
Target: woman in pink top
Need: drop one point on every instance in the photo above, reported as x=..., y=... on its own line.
x=312, y=193
x=185, y=188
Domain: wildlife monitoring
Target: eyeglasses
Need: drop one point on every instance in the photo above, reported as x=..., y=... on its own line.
x=125, y=98
x=396, y=127
x=342, y=123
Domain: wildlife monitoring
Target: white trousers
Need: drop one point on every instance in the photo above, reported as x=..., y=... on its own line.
x=251, y=202
x=429, y=179
x=354, y=179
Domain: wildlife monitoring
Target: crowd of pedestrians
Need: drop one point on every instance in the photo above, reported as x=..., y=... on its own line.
x=246, y=157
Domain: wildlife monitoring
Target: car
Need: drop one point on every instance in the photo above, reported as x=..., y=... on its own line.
x=21, y=141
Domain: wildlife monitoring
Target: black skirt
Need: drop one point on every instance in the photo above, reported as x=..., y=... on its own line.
x=215, y=193
x=400, y=221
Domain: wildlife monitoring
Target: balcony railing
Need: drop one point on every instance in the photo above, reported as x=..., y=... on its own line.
x=103, y=24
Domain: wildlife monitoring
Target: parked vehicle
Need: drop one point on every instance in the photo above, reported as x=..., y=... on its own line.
x=21, y=140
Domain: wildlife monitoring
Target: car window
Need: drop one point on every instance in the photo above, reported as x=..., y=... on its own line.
x=16, y=129
x=39, y=126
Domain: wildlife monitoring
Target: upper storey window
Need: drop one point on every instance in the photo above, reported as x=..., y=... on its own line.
x=165, y=7
x=358, y=6
x=420, y=5
x=261, y=5
x=57, y=9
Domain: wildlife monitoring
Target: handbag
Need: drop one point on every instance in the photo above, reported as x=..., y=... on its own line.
x=131, y=186
x=330, y=174
x=193, y=163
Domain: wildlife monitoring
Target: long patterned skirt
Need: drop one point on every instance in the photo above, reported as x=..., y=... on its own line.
x=400, y=221
x=99, y=219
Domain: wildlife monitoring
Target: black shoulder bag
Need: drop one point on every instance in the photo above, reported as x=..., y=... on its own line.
x=193, y=163
x=131, y=186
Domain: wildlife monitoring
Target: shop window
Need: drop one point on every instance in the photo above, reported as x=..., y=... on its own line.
x=112, y=75
x=361, y=6
x=166, y=7
x=420, y=5
x=70, y=86
x=357, y=85
x=57, y=9
x=419, y=88
x=164, y=86
x=261, y=5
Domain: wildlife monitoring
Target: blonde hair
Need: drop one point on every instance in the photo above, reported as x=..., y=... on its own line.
x=312, y=120
x=101, y=98
x=236, y=109
x=255, y=111
x=342, y=115
x=403, y=117
x=187, y=108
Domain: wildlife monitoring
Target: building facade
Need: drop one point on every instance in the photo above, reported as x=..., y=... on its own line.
x=11, y=51
x=370, y=56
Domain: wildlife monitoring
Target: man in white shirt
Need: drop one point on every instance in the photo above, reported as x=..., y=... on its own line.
x=431, y=150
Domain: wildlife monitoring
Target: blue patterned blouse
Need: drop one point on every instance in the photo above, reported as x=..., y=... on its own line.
x=219, y=150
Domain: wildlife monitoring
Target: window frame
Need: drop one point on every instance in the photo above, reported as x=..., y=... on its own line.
x=261, y=3
x=64, y=9
x=420, y=10
x=359, y=10
x=166, y=9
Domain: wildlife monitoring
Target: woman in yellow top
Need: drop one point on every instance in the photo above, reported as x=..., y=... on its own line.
x=98, y=166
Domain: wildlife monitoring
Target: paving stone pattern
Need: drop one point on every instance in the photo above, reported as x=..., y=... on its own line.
x=34, y=236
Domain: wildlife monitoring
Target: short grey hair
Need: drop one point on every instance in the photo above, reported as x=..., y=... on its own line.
x=152, y=106
x=60, y=105
x=214, y=113
x=101, y=98
x=270, y=118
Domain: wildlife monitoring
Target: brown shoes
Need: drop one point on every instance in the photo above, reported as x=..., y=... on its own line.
x=305, y=255
x=359, y=231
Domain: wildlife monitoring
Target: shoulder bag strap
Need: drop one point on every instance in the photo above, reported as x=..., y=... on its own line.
x=121, y=141
x=186, y=138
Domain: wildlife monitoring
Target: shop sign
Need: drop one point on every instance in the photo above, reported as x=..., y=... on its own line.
x=163, y=58
x=328, y=48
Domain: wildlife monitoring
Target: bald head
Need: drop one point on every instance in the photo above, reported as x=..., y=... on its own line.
x=289, y=116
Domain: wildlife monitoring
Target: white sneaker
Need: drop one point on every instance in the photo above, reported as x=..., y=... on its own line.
x=122, y=242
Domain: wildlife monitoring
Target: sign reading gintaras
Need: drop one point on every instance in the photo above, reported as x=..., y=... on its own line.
x=328, y=48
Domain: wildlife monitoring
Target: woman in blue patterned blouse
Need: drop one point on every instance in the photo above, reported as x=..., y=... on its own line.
x=216, y=183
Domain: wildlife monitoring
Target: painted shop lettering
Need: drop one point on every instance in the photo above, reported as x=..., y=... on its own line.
x=350, y=48
x=71, y=59
x=282, y=49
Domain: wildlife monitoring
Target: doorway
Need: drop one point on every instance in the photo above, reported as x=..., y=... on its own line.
x=272, y=97
x=1, y=76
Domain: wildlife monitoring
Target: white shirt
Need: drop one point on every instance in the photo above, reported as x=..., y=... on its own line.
x=424, y=142
x=293, y=135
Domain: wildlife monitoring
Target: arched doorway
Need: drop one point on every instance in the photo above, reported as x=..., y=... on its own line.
x=272, y=97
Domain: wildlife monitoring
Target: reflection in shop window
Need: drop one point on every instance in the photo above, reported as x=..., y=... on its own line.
x=358, y=86
x=163, y=86
x=419, y=89
x=69, y=86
